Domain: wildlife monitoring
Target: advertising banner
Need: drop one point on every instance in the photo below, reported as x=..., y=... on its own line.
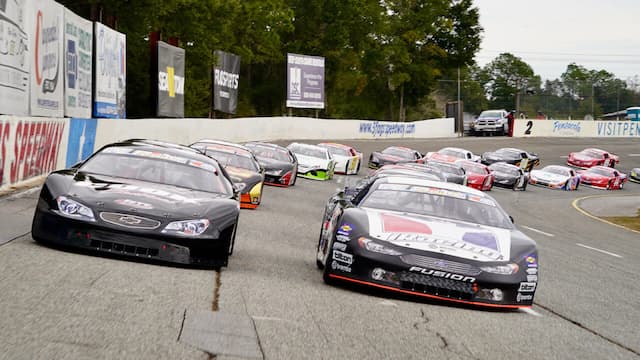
x=46, y=18
x=170, y=80
x=305, y=81
x=82, y=137
x=14, y=58
x=226, y=76
x=78, y=50
x=110, y=78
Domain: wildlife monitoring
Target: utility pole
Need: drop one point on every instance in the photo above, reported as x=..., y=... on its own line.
x=593, y=115
x=459, y=110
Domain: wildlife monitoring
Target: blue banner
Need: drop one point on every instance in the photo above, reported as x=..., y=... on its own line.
x=82, y=137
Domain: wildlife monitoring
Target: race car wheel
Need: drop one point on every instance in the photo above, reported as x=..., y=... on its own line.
x=609, y=185
x=621, y=185
x=232, y=239
x=358, y=168
x=294, y=172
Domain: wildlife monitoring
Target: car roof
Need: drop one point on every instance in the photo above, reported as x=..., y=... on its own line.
x=224, y=146
x=265, y=144
x=222, y=142
x=335, y=145
x=309, y=146
x=166, y=147
x=419, y=181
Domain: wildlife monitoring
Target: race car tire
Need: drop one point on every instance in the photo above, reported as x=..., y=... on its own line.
x=577, y=184
x=232, y=240
x=609, y=185
x=358, y=167
x=295, y=177
x=621, y=185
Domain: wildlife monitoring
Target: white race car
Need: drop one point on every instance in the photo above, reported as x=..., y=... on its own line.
x=347, y=158
x=314, y=162
x=555, y=177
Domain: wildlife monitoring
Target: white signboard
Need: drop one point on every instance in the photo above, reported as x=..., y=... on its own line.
x=78, y=76
x=14, y=58
x=110, y=73
x=45, y=18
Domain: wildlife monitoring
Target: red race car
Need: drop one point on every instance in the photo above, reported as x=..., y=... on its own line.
x=478, y=175
x=603, y=177
x=592, y=157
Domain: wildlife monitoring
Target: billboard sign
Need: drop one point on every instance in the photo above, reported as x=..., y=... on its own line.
x=110, y=77
x=46, y=18
x=170, y=80
x=305, y=81
x=15, y=58
x=226, y=77
x=78, y=50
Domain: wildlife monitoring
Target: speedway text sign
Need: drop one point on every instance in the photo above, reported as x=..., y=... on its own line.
x=171, y=61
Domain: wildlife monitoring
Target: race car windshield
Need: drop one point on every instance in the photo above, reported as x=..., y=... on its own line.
x=556, y=170
x=438, y=203
x=475, y=169
x=507, y=170
x=450, y=152
x=235, y=160
x=157, y=170
x=446, y=168
x=334, y=150
x=265, y=152
x=591, y=154
x=509, y=153
x=405, y=154
x=310, y=151
x=599, y=171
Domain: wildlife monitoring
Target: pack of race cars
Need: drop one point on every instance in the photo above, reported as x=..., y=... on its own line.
x=417, y=224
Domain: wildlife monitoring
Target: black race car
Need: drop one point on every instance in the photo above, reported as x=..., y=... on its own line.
x=393, y=155
x=142, y=199
x=517, y=157
x=279, y=163
x=241, y=165
x=430, y=239
x=509, y=176
x=411, y=169
x=453, y=173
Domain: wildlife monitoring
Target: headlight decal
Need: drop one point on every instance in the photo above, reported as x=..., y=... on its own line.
x=74, y=209
x=187, y=227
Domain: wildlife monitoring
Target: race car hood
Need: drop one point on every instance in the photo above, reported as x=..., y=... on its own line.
x=240, y=175
x=442, y=236
x=389, y=158
x=548, y=177
x=104, y=193
x=581, y=157
x=308, y=163
x=442, y=157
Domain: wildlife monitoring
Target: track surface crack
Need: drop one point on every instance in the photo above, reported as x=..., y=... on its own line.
x=584, y=327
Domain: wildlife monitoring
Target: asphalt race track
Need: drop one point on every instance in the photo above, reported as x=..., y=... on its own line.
x=62, y=304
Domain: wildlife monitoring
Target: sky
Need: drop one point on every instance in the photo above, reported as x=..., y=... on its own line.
x=550, y=34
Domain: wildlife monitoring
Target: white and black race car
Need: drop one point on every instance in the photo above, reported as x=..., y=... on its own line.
x=430, y=239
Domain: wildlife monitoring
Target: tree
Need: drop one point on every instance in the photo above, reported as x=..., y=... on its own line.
x=506, y=78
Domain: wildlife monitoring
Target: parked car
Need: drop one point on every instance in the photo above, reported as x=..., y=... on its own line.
x=591, y=157
x=492, y=122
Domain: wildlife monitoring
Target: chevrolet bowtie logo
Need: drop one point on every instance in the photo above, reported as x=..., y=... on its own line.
x=129, y=220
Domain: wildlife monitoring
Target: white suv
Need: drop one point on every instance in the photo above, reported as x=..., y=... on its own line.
x=494, y=121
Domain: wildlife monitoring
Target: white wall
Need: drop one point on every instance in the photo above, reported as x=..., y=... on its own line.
x=571, y=128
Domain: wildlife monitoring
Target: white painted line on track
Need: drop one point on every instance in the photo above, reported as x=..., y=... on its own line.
x=634, y=155
x=531, y=312
x=538, y=231
x=564, y=156
x=599, y=250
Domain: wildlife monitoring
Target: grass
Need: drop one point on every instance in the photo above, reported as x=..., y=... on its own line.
x=632, y=222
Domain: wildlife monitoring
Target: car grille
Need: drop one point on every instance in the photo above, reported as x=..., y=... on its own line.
x=129, y=221
x=486, y=122
x=122, y=248
x=440, y=264
x=436, y=286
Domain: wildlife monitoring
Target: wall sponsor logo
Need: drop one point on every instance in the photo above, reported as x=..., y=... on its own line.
x=35, y=149
x=619, y=128
x=169, y=82
x=377, y=128
x=570, y=128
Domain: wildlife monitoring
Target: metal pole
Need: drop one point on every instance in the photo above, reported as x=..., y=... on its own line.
x=593, y=114
x=459, y=117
